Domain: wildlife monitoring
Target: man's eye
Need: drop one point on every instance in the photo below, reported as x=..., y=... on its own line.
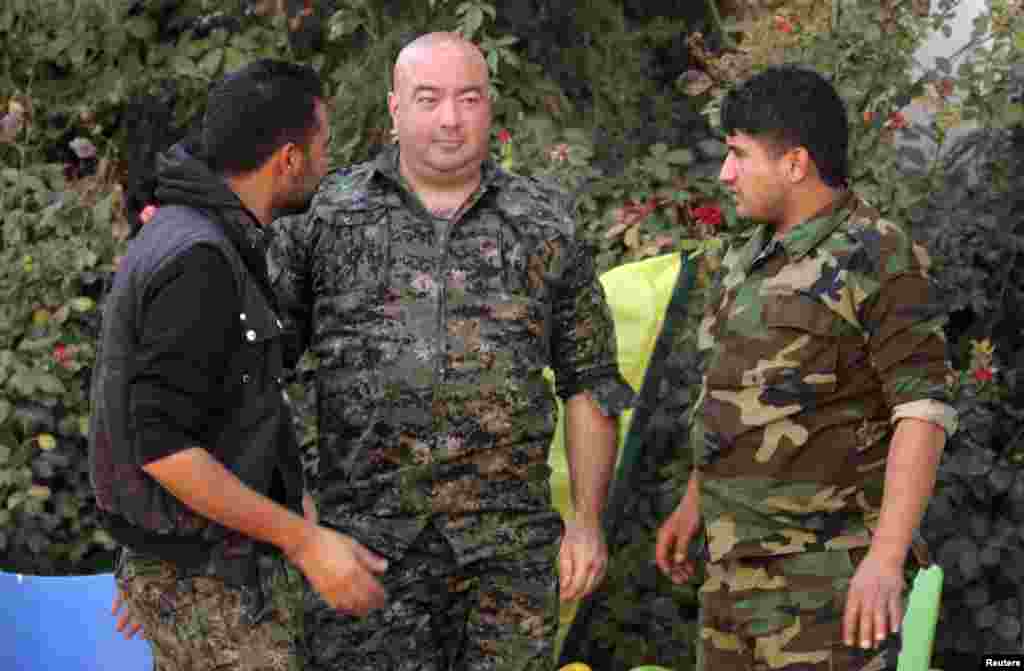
x=471, y=100
x=426, y=100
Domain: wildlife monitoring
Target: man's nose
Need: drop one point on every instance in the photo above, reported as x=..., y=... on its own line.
x=728, y=172
x=449, y=113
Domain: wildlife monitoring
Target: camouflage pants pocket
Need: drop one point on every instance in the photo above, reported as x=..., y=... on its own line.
x=201, y=623
x=782, y=613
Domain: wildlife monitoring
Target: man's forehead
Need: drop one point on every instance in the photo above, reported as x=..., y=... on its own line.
x=418, y=64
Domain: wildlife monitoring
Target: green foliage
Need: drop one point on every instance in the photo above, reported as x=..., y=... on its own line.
x=55, y=253
x=897, y=164
x=77, y=62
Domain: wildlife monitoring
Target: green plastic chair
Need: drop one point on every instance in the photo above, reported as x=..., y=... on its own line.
x=920, y=620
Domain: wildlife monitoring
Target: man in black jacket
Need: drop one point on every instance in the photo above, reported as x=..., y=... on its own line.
x=192, y=453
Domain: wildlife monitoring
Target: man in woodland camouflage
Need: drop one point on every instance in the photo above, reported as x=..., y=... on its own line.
x=823, y=409
x=433, y=288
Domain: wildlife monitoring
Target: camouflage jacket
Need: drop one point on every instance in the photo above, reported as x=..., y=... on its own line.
x=431, y=336
x=814, y=345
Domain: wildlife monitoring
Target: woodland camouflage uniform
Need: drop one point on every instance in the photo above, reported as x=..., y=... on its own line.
x=434, y=419
x=814, y=345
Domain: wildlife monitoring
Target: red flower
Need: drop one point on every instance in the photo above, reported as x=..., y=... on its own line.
x=945, y=87
x=869, y=116
x=147, y=213
x=897, y=121
x=709, y=215
x=504, y=137
x=783, y=24
x=984, y=375
x=61, y=354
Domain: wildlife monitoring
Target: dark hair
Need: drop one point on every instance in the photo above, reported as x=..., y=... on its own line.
x=257, y=109
x=791, y=106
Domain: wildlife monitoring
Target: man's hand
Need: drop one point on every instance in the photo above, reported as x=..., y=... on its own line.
x=582, y=560
x=675, y=535
x=342, y=571
x=309, y=508
x=874, y=604
x=126, y=622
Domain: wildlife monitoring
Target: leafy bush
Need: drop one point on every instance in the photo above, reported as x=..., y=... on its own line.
x=56, y=253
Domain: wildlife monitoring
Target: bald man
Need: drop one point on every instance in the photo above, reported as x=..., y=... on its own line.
x=434, y=288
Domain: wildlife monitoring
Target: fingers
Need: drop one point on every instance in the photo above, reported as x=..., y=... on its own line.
x=371, y=560
x=566, y=571
x=851, y=616
x=664, y=551
x=127, y=626
x=594, y=577
x=869, y=617
x=895, y=611
x=365, y=594
x=125, y=623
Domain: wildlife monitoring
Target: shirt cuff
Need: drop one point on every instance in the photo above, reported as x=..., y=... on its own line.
x=613, y=395
x=929, y=410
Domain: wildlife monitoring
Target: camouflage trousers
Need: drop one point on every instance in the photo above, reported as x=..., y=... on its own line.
x=783, y=613
x=496, y=614
x=199, y=623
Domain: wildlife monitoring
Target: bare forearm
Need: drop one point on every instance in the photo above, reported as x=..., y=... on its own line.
x=591, y=444
x=909, y=481
x=203, y=484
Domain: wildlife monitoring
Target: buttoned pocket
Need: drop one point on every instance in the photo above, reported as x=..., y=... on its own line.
x=793, y=358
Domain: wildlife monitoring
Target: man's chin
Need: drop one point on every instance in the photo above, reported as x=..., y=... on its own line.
x=452, y=165
x=293, y=207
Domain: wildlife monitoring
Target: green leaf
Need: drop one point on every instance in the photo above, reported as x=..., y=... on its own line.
x=471, y=22
x=141, y=28
x=1012, y=114
x=24, y=180
x=679, y=157
x=234, y=59
x=103, y=210
x=15, y=499
x=211, y=63
x=5, y=412
x=85, y=259
x=38, y=344
x=659, y=149
x=82, y=304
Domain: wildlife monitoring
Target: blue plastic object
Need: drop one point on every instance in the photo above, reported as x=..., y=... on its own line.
x=50, y=623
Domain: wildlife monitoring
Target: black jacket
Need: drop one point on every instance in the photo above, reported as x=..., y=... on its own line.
x=232, y=405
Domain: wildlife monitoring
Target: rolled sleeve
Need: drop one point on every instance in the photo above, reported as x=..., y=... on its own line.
x=584, y=351
x=936, y=412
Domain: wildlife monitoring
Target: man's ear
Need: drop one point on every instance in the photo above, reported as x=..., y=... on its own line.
x=288, y=159
x=800, y=165
x=393, y=107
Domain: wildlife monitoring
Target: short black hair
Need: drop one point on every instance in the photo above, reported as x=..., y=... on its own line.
x=791, y=106
x=255, y=110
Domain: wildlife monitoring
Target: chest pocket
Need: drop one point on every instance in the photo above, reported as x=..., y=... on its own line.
x=795, y=362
